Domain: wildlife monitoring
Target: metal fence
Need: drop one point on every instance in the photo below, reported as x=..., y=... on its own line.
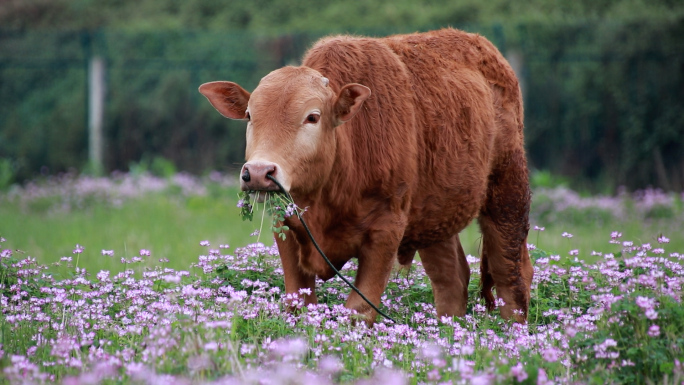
x=603, y=103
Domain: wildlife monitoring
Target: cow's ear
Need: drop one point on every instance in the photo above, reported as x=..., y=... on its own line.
x=349, y=101
x=228, y=98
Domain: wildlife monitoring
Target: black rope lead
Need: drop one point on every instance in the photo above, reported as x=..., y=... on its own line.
x=337, y=272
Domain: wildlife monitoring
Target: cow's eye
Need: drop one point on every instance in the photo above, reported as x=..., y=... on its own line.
x=312, y=118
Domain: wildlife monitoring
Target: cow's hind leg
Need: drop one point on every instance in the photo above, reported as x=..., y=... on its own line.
x=504, y=223
x=445, y=263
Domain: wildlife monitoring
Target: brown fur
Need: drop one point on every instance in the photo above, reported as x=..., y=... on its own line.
x=438, y=143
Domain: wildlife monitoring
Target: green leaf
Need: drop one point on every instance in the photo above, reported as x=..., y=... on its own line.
x=666, y=367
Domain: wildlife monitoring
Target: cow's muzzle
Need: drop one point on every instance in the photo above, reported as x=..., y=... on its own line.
x=254, y=176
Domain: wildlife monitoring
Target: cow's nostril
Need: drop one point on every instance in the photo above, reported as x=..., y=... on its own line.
x=245, y=175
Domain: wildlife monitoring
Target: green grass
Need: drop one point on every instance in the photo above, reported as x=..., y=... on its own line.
x=172, y=226
x=596, y=237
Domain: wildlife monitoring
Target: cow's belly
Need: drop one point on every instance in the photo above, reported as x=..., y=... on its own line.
x=441, y=212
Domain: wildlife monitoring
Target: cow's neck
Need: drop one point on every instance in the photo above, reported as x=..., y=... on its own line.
x=342, y=188
x=338, y=193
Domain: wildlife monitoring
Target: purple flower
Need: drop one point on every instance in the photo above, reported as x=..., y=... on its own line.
x=291, y=349
x=199, y=362
x=518, y=371
x=305, y=291
x=290, y=210
x=211, y=346
x=542, y=378
x=663, y=239
x=602, y=350
x=330, y=365
x=387, y=376
x=430, y=352
x=78, y=249
x=645, y=302
x=537, y=228
x=109, y=253
x=103, y=275
x=551, y=354
x=31, y=351
x=566, y=235
x=204, y=243
x=482, y=379
x=472, y=259
x=433, y=375
x=144, y=252
x=171, y=278
x=654, y=331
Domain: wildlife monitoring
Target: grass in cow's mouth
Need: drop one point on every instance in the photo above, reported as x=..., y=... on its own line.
x=276, y=204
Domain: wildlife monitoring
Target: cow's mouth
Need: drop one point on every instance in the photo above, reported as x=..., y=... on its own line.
x=259, y=196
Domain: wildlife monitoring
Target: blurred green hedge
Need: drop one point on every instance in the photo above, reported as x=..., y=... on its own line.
x=603, y=100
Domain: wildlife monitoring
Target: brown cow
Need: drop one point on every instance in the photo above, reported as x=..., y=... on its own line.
x=395, y=145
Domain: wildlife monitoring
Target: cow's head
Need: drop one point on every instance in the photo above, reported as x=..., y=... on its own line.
x=291, y=118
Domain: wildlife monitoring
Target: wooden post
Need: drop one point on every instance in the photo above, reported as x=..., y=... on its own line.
x=96, y=98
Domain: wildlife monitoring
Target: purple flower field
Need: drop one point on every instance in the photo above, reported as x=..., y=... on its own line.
x=222, y=322
x=612, y=315
x=562, y=204
x=68, y=192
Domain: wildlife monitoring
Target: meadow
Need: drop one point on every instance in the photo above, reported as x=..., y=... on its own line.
x=141, y=279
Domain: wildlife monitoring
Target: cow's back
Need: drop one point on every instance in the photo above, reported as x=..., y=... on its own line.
x=469, y=57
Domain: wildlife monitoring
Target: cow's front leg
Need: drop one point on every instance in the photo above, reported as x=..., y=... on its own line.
x=295, y=277
x=376, y=259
